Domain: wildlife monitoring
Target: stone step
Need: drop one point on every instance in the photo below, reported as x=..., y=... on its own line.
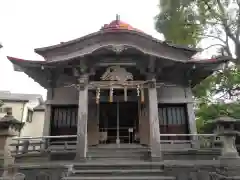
x=113, y=165
x=117, y=172
x=122, y=159
x=119, y=148
x=122, y=178
x=116, y=154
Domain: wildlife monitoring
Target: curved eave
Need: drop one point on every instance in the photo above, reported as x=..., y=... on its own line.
x=217, y=60
x=31, y=68
x=41, y=51
x=197, y=70
x=204, y=68
x=18, y=63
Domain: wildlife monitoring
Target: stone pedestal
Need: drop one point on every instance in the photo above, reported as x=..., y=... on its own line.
x=9, y=127
x=229, y=149
x=226, y=130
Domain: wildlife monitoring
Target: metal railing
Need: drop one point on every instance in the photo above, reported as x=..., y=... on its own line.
x=67, y=143
x=122, y=134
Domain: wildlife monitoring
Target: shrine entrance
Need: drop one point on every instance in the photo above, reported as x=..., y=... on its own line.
x=118, y=97
x=118, y=121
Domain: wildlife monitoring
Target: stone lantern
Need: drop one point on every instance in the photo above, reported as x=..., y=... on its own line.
x=226, y=129
x=9, y=127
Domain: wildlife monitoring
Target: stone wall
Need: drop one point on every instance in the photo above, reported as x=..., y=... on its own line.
x=182, y=170
x=41, y=172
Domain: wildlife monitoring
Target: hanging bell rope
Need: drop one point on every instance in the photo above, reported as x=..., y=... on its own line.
x=138, y=90
x=97, y=95
x=111, y=95
x=125, y=93
x=142, y=95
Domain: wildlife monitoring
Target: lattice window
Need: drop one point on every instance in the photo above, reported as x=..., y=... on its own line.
x=29, y=116
x=173, y=119
x=64, y=120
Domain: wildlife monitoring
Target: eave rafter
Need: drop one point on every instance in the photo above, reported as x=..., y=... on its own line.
x=118, y=32
x=38, y=75
x=46, y=73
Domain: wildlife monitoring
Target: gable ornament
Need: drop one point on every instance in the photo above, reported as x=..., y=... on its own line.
x=116, y=75
x=117, y=48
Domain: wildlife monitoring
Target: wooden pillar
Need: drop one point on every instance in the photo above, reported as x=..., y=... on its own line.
x=154, y=122
x=47, y=116
x=47, y=120
x=192, y=125
x=81, y=151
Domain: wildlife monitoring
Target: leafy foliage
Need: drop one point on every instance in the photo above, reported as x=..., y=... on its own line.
x=191, y=22
x=174, y=14
x=208, y=112
x=224, y=84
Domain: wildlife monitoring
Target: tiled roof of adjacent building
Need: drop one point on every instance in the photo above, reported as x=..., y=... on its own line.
x=8, y=96
x=40, y=107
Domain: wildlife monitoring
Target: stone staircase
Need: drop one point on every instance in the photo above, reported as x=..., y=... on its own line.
x=115, y=170
x=118, y=162
x=118, y=152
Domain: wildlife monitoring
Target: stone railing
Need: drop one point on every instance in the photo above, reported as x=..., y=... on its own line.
x=25, y=145
x=67, y=143
x=196, y=141
x=17, y=176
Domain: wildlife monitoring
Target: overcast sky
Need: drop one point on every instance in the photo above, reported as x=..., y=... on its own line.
x=29, y=24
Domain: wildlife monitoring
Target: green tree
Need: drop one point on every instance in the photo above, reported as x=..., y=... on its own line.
x=208, y=112
x=191, y=22
x=174, y=15
x=196, y=20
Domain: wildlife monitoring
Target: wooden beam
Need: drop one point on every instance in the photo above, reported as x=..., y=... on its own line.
x=152, y=64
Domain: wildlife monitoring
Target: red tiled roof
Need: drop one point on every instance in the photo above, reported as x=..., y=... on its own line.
x=117, y=24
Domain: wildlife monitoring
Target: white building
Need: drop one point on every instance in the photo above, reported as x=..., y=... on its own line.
x=27, y=108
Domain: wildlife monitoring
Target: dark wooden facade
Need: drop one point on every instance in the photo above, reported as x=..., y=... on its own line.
x=71, y=73
x=173, y=119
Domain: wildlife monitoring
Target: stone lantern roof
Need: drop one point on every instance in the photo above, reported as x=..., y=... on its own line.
x=224, y=125
x=225, y=119
x=9, y=121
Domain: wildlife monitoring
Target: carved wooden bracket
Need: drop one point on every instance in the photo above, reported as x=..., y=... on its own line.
x=152, y=84
x=83, y=81
x=117, y=73
x=117, y=48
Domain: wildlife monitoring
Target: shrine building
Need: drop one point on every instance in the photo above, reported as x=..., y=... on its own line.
x=118, y=86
